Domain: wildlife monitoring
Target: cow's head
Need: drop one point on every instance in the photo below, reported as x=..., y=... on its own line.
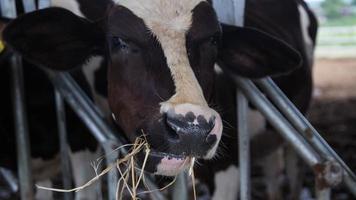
x=161, y=56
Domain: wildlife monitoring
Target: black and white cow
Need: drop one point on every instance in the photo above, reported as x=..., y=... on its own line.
x=159, y=59
x=294, y=23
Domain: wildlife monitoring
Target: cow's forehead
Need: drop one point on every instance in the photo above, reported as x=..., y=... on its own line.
x=169, y=21
x=175, y=15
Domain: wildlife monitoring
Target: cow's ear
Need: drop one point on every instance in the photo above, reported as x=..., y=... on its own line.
x=55, y=38
x=254, y=54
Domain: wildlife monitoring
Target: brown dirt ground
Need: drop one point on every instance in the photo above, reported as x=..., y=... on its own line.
x=333, y=111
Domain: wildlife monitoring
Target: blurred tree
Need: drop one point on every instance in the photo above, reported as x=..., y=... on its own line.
x=332, y=8
x=353, y=2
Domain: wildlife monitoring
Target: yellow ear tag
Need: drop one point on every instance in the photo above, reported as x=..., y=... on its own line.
x=2, y=46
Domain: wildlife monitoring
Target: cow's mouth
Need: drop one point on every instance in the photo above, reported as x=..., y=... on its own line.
x=169, y=164
x=165, y=164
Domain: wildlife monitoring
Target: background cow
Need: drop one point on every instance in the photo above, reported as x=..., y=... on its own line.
x=294, y=23
x=159, y=57
x=42, y=123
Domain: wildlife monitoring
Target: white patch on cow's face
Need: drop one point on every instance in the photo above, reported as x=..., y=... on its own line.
x=71, y=5
x=227, y=184
x=169, y=21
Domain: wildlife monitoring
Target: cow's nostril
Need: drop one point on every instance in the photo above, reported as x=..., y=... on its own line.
x=188, y=126
x=175, y=124
x=211, y=139
x=173, y=130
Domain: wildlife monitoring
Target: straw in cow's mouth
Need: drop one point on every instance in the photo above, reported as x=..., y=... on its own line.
x=128, y=162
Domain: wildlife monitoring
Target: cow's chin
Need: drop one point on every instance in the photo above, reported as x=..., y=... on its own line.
x=165, y=164
x=171, y=165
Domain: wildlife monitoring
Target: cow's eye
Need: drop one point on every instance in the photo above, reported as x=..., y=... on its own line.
x=126, y=46
x=214, y=40
x=119, y=43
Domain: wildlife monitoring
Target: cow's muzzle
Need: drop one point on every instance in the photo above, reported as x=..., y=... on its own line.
x=190, y=132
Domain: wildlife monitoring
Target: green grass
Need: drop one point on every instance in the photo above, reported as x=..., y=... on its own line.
x=342, y=21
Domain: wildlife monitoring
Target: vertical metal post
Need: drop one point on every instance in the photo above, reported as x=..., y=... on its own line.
x=230, y=11
x=21, y=129
x=244, y=147
x=44, y=4
x=233, y=12
x=180, y=188
x=64, y=154
x=113, y=175
x=8, y=8
x=29, y=5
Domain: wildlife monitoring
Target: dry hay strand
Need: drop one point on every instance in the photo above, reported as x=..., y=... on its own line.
x=131, y=170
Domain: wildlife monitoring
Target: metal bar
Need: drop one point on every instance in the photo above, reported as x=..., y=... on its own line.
x=8, y=8
x=10, y=179
x=303, y=125
x=29, y=5
x=276, y=119
x=64, y=154
x=298, y=119
x=113, y=175
x=350, y=184
x=21, y=130
x=180, y=191
x=84, y=108
x=230, y=11
x=96, y=122
x=244, y=147
x=44, y=4
x=239, y=6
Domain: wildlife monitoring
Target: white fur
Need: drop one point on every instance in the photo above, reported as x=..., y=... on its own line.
x=305, y=23
x=227, y=184
x=273, y=173
x=71, y=5
x=43, y=170
x=83, y=172
x=218, y=69
x=89, y=71
x=256, y=122
x=44, y=194
x=169, y=21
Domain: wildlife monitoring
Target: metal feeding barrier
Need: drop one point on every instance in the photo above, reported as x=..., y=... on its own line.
x=329, y=168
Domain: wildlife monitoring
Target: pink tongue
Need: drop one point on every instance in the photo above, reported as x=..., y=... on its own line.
x=173, y=166
x=173, y=162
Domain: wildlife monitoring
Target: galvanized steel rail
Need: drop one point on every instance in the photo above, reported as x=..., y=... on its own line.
x=21, y=130
x=64, y=150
